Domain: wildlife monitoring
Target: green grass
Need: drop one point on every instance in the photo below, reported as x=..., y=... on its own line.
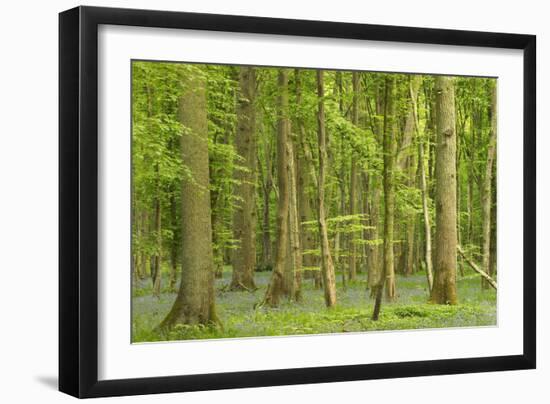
x=236, y=309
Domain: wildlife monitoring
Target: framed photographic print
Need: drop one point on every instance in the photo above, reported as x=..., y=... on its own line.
x=251, y=201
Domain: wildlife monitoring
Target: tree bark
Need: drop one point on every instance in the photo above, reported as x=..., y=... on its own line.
x=276, y=286
x=156, y=259
x=444, y=288
x=487, y=193
x=244, y=217
x=387, y=277
x=327, y=267
x=483, y=274
x=266, y=221
x=352, y=265
x=425, y=211
x=195, y=301
x=305, y=180
x=389, y=191
x=294, y=228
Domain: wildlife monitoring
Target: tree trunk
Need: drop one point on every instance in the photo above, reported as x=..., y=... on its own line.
x=387, y=277
x=173, y=246
x=156, y=259
x=244, y=217
x=276, y=285
x=195, y=301
x=305, y=181
x=426, y=214
x=444, y=288
x=374, y=269
x=423, y=188
x=327, y=268
x=487, y=193
x=352, y=266
x=294, y=228
x=266, y=221
x=389, y=191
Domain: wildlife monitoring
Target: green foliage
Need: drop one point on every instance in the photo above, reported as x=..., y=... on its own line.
x=158, y=171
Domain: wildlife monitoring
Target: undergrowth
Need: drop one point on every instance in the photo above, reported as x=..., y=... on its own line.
x=353, y=313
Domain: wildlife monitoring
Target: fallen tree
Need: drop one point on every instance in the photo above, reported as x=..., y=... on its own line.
x=472, y=264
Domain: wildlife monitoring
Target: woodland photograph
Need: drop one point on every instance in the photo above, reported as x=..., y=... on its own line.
x=271, y=201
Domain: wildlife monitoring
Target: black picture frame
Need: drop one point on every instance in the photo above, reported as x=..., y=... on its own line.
x=78, y=201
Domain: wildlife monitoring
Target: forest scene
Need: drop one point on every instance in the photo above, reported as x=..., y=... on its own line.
x=274, y=201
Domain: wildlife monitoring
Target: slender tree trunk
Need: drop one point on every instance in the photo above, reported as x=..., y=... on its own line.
x=426, y=215
x=375, y=250
x=353, y=180
x=294, y=228
x=244, y=218
x=266, y=221
x=444, y=288
x=411, y=222
x=195, y=301
x=389, y=191
x=157, y=274
x=276, y=286
x=173, y=247
x=405, y=162
x=144, y=218
x=487, y=192
x=327, y=268
x=493, y=267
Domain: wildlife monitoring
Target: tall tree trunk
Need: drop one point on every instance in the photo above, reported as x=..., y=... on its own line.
x=195, y=301
x=444, y=288
x=389, y=191
x=244, y=218
x=405, y=162
x=305, y=181
x=375, y=250
x=327, y=268
x=388, y=273
x=487, y=193
x=276, y=285
x=352, y=266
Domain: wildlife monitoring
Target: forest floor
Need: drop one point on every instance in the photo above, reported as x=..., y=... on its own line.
x=410, y=310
